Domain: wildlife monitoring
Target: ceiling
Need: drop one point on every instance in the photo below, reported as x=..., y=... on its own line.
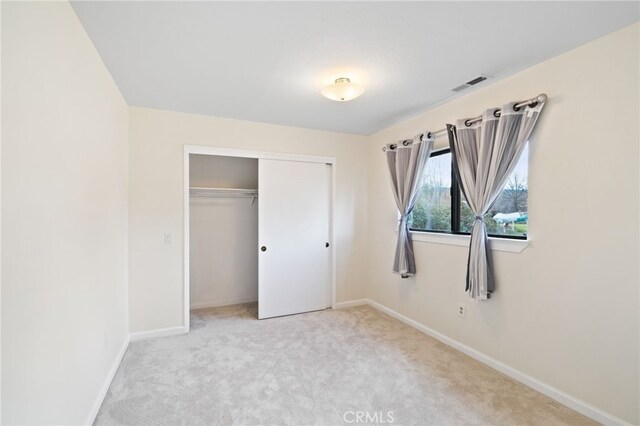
x=267, y=61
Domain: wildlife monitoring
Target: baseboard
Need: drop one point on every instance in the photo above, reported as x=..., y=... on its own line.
x=107, y=383
x=348, y=303
x=535, y=384
x=217, y=303
x=161, y=332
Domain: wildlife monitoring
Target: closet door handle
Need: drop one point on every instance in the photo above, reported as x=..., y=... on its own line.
x=263, y=248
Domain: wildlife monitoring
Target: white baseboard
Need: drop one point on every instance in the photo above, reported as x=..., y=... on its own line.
x=107, y=383
x=348, y=303
x=217, y=303
x=535, y=384
x=161, y=332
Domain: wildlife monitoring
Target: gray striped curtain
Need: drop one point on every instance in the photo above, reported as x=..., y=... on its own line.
x=406, y=166
x=484, y=155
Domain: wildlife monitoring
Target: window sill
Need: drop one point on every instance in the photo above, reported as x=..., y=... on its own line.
x=498, y=244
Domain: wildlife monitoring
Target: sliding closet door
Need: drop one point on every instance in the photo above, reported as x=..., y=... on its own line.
x=293, y=222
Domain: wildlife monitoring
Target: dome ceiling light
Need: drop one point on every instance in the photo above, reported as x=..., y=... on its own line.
x=342, y=90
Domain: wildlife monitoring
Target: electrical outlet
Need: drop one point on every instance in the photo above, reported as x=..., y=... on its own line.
x=462, y=310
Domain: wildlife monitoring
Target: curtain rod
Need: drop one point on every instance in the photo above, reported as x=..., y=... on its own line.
x=529, y=102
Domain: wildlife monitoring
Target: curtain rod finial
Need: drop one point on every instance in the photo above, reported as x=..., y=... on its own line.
x=542, y=98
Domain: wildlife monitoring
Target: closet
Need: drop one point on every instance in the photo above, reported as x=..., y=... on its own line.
x=259, y=229
x=223, y=218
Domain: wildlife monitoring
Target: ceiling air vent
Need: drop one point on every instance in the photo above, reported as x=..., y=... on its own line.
x=470, y=83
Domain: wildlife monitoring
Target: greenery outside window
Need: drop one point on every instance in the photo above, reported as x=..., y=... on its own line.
x=441, y=207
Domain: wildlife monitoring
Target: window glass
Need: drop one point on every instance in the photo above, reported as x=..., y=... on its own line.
x=435, y=211
x=433, y=206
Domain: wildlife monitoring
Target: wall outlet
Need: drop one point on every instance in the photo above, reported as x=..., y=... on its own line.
x=462, y=310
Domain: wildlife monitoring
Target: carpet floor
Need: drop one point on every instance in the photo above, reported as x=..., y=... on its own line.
x=346, y=366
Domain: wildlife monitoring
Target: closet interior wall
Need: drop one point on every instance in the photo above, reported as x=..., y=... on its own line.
x=223, y=233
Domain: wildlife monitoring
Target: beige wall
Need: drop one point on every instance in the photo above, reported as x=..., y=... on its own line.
x=565, y=310
x=64, y=217
x=156, y=201
x=1, y=132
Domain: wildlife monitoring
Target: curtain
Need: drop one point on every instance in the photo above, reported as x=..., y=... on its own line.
x=484, y=154
x=406, y=166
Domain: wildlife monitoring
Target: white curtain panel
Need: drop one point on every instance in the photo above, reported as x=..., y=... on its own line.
x=406, y=167
x=484, y=155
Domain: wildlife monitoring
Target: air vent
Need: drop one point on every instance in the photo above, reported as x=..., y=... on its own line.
x=470, y=83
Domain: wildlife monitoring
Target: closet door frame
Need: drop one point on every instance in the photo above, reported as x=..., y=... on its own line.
x=229, y=152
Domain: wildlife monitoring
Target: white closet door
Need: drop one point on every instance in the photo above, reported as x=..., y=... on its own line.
x=293, y=222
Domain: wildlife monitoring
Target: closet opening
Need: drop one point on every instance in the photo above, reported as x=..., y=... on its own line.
x=223, y=234
x=258, y=228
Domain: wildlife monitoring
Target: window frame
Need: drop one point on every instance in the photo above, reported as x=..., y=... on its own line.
x=456, y=202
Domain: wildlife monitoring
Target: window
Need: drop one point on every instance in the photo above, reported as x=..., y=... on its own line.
x=441, y=207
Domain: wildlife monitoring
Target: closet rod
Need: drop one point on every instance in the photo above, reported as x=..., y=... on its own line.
x=530, y=102
x=223, y=192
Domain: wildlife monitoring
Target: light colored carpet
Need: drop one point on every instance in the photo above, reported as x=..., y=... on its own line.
x=320, y=368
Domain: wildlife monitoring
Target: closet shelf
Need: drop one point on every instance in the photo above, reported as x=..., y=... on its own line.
x=224, y=193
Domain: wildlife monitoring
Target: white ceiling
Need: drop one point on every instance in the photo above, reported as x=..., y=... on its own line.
x=266, y=61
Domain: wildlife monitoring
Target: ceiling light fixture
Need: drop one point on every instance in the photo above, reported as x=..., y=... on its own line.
x=342, y=90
